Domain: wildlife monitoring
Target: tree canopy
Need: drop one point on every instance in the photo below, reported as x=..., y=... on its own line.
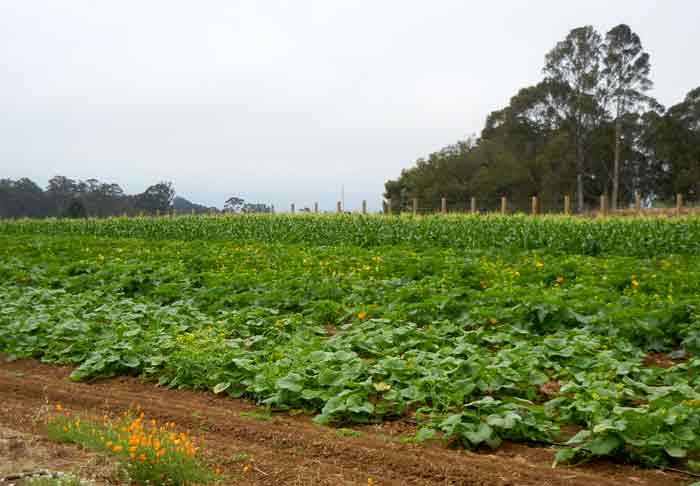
x=65, y=197
x=587, y=128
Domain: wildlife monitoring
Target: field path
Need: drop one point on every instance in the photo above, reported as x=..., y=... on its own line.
x=287, y=450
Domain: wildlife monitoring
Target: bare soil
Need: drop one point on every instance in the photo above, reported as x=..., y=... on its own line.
x=283, y=449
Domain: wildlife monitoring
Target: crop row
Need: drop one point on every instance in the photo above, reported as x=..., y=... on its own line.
x=606, y=236
x=477, y=346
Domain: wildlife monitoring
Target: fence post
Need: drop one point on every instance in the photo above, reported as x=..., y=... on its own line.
x=603, y=204
x=637, y=202
x=364, y=206
x=315, y=207
x=292, y=208
x=473, y=205
x=388, y=206
x=443, y=205
x=567, y=204
x=339, y=207
x=535, y=206
x=415, y=206
x=679, y=204
x=504, y=205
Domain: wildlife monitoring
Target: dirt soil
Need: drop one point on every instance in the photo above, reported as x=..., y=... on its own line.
x=292, y=450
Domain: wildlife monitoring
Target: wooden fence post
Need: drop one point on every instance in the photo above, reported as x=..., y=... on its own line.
x=315, y=208
x=473, y=205
x=637, y=202
x=415, y=206
x=443, y=205
x=603, y=204
x=339, y=207
x=567, y=204
x=535, y=206
x=679, y=204
x=504, y=205
x=364, y=206
x=293, y=208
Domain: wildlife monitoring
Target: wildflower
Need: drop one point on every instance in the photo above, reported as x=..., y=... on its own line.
x=362, y=315
x=560, y=280
x=493, y=320
x=217, y=471
x=132, y=455
x=247, y=468
x=381, y=386
x=142, y=457
x=539, y=264
x=58, y=407
x=635, y=284
x=117, y=449
x=370, y=481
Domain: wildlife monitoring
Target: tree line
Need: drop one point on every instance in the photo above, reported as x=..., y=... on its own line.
x=65, y=197
x=589, y=127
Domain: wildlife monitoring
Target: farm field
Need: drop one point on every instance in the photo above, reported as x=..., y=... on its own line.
x=579, y=336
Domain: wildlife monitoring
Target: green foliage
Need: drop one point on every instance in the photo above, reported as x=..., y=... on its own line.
x=480, y=345
x=612, y=236
x=587, y=128
x=62, y=480
x=147, y=453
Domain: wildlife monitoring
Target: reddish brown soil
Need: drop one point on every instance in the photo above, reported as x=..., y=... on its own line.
x=659, y=360
x=292, y=450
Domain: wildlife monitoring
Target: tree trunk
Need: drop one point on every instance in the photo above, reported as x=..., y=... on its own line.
x=616, y=166
x=579, y=176
x=579, y=192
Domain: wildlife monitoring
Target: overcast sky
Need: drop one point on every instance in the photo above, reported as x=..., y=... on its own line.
x=284, y=101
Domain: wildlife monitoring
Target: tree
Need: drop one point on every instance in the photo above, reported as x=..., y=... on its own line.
x=182, y=205
x=21, y=198
x=59, y=192
x=672, y=145
x=76, y=209
x=234, y=204
x=573, y=68
x=626, y=73
x=156, y=198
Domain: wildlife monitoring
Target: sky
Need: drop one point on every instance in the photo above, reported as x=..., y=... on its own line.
x=284, y=102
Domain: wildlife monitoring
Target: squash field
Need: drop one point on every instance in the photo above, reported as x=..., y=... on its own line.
x=578, y=334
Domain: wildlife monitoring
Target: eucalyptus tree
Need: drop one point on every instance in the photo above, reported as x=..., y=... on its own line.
x=573, y=67
x=625, y=75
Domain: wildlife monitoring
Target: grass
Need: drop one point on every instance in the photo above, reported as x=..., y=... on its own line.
x=343, y=432
x=62, y=480
x=263, y=417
